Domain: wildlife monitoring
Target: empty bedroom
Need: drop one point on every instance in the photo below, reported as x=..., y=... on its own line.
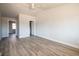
x=39, y=29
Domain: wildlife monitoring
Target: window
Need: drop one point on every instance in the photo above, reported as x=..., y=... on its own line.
x=13, y=25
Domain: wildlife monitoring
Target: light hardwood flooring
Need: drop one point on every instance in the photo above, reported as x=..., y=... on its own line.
x=35, y=46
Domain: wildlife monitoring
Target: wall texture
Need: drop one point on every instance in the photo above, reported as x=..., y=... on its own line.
x=5, y=25
x=10, y=27
x=23, y=25
x=0, y=28
x=60, y=24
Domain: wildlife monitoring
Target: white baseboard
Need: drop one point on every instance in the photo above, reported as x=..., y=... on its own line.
x=59, y=41
x=24, y=36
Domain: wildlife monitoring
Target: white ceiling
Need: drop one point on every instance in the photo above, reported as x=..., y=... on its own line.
x=13, y=9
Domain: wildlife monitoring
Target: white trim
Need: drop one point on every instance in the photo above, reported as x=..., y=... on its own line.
x=24, y=36
x=75, y=46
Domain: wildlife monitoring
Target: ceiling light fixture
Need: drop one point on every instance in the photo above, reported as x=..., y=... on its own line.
x=33, y=5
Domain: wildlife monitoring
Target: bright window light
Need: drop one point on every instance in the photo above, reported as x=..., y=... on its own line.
x=13, y=25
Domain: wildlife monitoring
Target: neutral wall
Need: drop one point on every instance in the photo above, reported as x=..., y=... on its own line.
x=0, y=28
x=10, y=27
x=60, y=24
x=23, y=25
x=5, y=25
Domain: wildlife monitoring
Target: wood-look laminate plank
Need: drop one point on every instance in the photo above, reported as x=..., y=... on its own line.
x=35, y=46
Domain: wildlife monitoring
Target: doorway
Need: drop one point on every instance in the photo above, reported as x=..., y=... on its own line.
x=12, y=27
x=31, y=25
